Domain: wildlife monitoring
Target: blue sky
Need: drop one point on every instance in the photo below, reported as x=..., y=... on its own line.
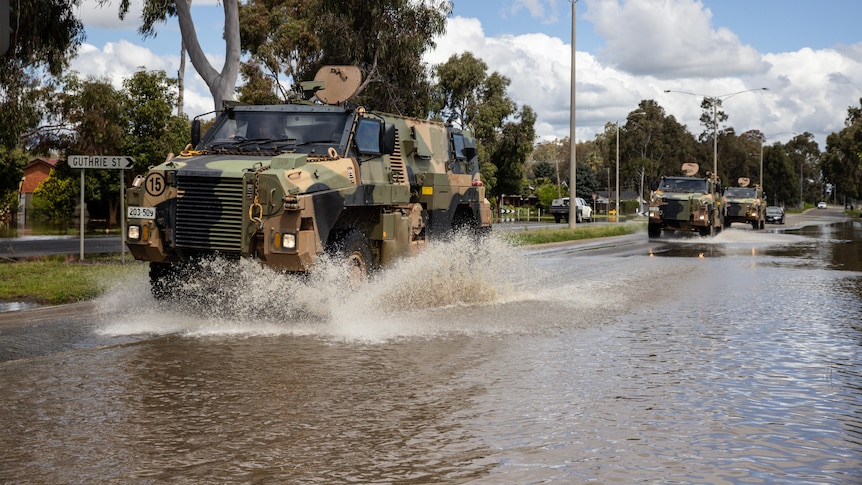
x=809, y=55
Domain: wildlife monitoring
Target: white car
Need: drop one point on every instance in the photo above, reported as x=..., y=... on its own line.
x=585, y=212
x=821, y=205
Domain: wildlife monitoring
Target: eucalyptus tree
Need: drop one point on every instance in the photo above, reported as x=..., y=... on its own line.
x=841, y=164
x=467, y=96
x=221, y=83
x=45, y=36
x=289, y=40
x=805, y=154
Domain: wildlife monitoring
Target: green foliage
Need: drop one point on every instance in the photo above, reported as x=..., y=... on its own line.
x=55, y=199
x=8, y=204
x=512, y=147
x=548, y=192
x=386, y=38
x=152, y=132
x=842, y=163
x=780, y=184
x=12, y=163
x=46, y=34
x=458, y=93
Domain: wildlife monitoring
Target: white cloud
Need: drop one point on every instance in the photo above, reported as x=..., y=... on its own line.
x=808, y=90
x=670, y=39
x=106, y=16
x=117, y=61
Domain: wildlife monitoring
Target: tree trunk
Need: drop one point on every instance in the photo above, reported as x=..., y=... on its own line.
x=221, y=84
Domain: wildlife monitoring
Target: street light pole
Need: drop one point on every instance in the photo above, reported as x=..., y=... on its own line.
x=617, y=210
x=573, y=165
x=714, y=101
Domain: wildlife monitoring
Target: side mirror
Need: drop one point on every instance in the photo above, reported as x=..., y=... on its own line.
x=470, y=152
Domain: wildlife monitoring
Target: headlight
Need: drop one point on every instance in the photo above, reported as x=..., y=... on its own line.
x=134, y=233
x=283, y=241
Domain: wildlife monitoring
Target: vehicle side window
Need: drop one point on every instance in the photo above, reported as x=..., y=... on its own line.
x=368, y=137
x=458, y=145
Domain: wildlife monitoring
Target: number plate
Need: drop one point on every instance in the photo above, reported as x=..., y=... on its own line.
x=142, y=212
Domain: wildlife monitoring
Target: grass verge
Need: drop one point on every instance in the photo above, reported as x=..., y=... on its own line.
x=55, y=282
x=545, y=236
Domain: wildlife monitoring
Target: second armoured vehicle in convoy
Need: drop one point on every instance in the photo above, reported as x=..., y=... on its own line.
x=686, y=203
x=286, y=184
x=745, y=204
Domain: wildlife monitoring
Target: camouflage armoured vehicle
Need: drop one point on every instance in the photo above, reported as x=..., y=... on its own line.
x=745, y=204
x=686, y=203
x=285, y=184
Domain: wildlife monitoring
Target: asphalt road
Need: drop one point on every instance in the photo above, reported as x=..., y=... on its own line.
x=39, y=246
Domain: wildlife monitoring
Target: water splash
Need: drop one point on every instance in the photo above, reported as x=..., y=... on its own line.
x=407, y=299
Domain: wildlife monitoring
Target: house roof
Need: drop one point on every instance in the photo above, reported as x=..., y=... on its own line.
x=51, y=162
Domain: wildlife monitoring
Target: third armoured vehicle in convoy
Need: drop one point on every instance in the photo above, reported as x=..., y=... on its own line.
x=286, y=184
x=745, y=204
x=686, y=203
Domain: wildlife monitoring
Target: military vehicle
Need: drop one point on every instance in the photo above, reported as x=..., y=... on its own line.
x=745, y=204
x=686, y=203
x=286, y=184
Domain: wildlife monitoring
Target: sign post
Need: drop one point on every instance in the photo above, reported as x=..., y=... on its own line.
x=113, y=162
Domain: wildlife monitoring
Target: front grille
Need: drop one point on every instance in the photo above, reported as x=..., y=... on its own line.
x=209, y=213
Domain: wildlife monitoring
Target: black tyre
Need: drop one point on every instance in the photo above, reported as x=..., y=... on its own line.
x=654, y=230
x=353, y=249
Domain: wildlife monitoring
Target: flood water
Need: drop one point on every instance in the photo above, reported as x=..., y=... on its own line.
x=687, y=360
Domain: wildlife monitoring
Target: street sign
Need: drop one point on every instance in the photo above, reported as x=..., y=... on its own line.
x=119, y=162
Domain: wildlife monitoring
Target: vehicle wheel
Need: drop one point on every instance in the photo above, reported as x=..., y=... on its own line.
x=557, y=218
x=354, y=250
x=654, y=230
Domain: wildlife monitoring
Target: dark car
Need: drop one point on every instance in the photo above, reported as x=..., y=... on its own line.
x=774, y=215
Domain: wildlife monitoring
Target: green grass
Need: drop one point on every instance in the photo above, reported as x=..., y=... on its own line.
x=581, y=231
x=55, y=282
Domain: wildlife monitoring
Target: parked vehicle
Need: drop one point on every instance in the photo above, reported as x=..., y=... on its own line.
x=774, y=215
x=560, y=210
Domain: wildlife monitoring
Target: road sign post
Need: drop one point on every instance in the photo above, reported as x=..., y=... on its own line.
x=109, y=162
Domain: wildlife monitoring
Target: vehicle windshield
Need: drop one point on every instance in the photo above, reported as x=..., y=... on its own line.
x=683, y=185
x=274, y=130
x=741, y=192
x=774, y=210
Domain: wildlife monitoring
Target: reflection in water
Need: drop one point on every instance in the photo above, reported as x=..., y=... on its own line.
x=517, y=367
